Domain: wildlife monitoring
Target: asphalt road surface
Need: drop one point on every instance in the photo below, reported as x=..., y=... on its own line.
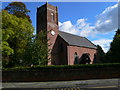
x=73, y=88
x=96, y=84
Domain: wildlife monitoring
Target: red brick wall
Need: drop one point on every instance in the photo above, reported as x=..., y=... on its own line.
x=80, y=51
x=45, y=22
x=59, y=52
x=52, y=25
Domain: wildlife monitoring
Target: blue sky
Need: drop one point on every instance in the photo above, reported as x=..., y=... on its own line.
x=87, y=19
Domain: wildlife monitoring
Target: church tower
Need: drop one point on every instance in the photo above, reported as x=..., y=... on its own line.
x=47, y=19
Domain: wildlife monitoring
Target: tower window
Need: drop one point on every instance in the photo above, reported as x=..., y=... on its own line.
x=52, y=14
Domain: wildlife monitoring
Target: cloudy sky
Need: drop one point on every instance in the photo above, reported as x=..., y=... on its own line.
x=101, y=30
x=97, y=21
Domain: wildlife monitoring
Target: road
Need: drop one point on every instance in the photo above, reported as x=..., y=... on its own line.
x=95, y=84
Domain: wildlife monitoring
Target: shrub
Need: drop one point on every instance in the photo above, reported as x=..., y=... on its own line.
x=58, y=67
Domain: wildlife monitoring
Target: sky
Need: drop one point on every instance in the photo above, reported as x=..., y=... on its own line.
x=96, y=21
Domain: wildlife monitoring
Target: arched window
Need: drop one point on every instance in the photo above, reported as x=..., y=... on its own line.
x=76, y=58
x=52, y=15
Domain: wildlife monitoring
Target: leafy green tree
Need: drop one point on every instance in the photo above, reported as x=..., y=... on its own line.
x=16, y=33
x=37, y=51
x=18, y=9
x=114, y=51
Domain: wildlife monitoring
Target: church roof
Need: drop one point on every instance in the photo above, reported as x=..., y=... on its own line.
x=76, y=40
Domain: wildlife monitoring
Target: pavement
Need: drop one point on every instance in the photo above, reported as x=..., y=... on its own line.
x=94, y=84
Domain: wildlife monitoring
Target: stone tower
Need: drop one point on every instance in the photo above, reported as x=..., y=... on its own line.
x=47, y=19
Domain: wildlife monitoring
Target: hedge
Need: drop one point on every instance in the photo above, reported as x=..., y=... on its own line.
x=51, y=67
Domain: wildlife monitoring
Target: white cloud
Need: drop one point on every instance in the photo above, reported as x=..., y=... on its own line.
x=59, y=23
x=67, y=27
x=104, y=43
x=88, y=31
x=81, y=28
x=107, y=20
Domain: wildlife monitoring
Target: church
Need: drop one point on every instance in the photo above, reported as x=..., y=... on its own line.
x=65, y=48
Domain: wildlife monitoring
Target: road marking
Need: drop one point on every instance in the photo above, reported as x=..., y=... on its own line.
x=64, y=89
x=105, y=86
x=78, y=88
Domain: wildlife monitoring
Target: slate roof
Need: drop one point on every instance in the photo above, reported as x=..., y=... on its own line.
x=76, y=40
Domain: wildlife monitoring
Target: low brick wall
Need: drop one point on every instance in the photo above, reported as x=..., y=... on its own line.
x=61, y=74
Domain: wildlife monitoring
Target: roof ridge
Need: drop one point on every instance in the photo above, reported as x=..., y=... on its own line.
x=72, y=34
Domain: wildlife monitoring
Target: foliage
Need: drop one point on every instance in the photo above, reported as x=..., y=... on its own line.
x=16, y=33
x=37, y=51
x=114, y=53
x=19, y=46
x=58, y=67
x=18, y=9
x=100, y=55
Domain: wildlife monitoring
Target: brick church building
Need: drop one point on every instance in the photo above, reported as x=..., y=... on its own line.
x=66, y=49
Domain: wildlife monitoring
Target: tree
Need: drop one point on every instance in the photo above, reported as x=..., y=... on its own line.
x=107, y=57
x=99, y=55
x=16, y=33
x=114, y=51
x=18, y=9
x=37, y=51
